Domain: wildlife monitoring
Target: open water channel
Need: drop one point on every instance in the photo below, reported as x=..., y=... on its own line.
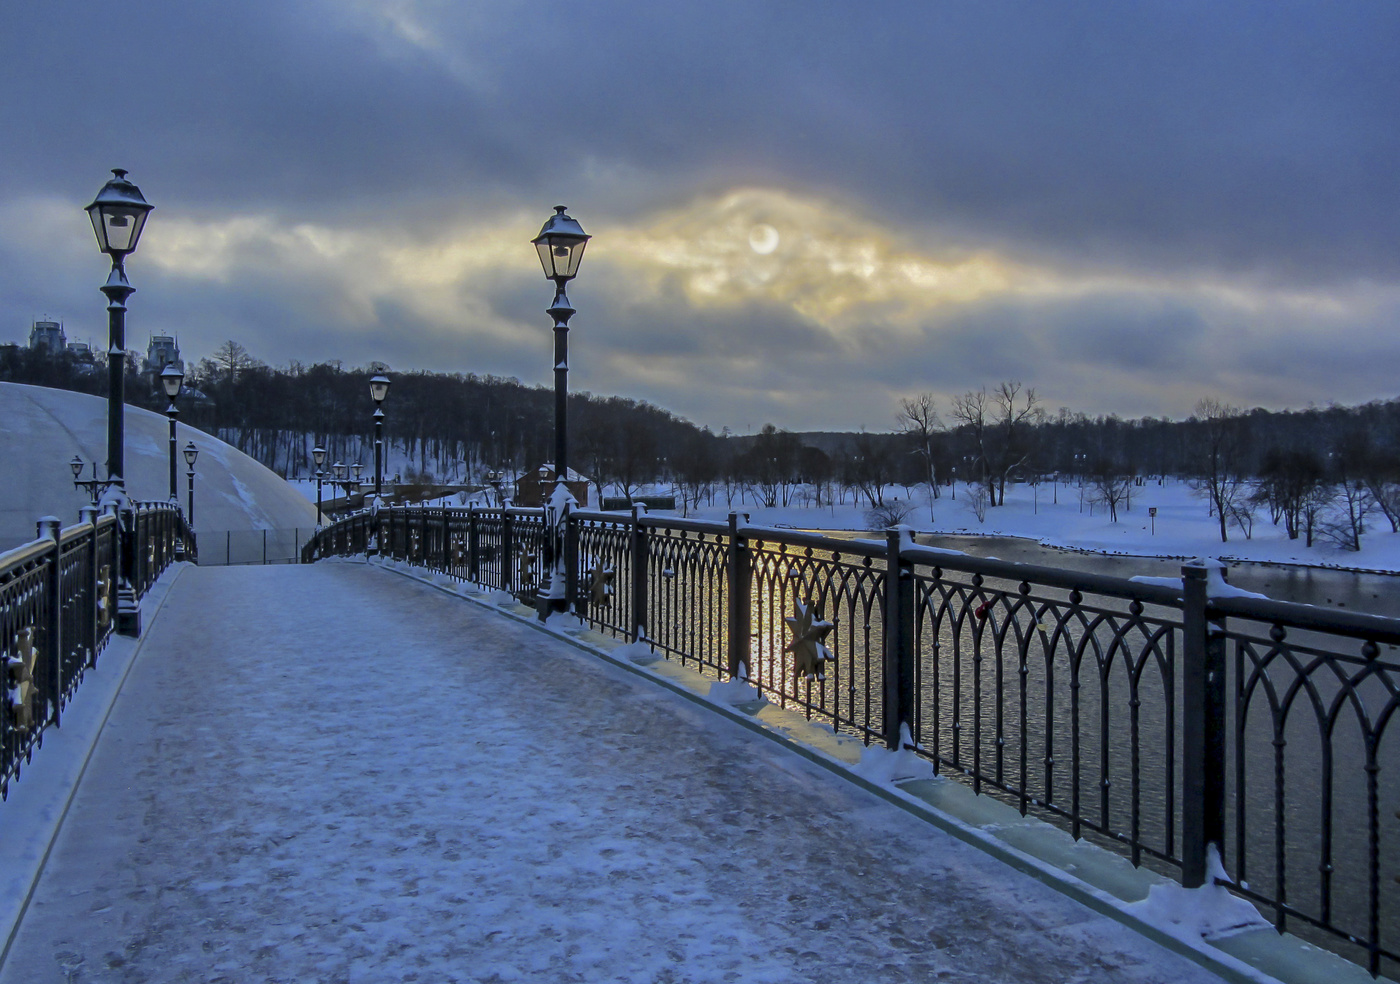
x=1301, y=741
x=1375, y=594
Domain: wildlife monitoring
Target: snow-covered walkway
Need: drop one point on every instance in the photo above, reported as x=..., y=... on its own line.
x=333, y=773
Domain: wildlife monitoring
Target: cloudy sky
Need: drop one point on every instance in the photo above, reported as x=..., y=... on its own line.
x=801, y=212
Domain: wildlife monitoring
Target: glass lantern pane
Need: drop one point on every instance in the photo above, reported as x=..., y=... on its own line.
x=123, y=227
x=99, y=228
x=574, y=256
x=546, y=258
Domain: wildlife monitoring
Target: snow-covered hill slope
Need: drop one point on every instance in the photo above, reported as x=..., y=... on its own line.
x=41, y=429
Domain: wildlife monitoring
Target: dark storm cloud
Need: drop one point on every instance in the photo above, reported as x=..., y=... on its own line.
x=1252, y=141
x=1249, y=135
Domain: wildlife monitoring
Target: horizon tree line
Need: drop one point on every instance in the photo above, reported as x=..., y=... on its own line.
x=1321, y=473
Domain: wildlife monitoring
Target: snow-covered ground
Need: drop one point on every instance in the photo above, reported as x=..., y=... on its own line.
x=1054, y=515
x=44, y=428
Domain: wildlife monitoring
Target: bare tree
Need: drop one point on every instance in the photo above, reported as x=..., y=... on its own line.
x=1219, y=467
x=999, y=426
x=1015, y=411
x=867, y=469
x=919, y=420
x=1347, y=520
x=1313, y=509
x=697, y=469
x=1288, y=482
x=970, y=411
x=232, y=358
x=977, y=496
x=890, y=513
x=1109, y=487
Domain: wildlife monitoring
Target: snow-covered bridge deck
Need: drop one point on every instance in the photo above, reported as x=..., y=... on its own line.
x=334, y=773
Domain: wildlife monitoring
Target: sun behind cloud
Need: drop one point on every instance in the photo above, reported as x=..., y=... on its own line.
x=825, y=263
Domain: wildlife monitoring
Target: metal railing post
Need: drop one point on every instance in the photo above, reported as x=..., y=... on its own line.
x=639, y=573
x=128, y=600
x=88, y=514
x=507, y=553
x=898, y=668
x=48, y=529
x=1203, y=730
x=740, y=615
x=447, y=542
x=473, y=547
x=570, y=559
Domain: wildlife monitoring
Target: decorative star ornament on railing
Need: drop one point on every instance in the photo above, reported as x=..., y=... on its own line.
x=20, y=691
x=808, y=646
x=600, y=584
x=104, y=596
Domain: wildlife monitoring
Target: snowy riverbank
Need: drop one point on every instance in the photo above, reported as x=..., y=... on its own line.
x=1053, y=515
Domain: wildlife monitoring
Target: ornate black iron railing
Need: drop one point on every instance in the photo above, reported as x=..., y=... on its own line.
x=1161, y=720
x=58, y=607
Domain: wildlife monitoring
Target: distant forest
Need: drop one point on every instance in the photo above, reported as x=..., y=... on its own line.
x=1319, y=471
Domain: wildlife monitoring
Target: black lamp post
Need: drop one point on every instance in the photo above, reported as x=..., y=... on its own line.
x=560, y=245
x=378, y=390
x=318, y=455
x=173, y=379
x=118, y=215
x=191, y=453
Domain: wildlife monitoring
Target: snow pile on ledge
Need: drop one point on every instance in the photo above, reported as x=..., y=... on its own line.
x=640, y=649
x=1216, y=585
x=735, y=691
x=880, y=765
x=1194, y=914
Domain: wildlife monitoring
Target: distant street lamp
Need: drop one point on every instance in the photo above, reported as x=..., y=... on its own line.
x=118, y=215
x=318, y=454
x=93, y=486
x=191, y=453
x=560, y=245
x=173, y=379
x=347, y=486
x=378, y=390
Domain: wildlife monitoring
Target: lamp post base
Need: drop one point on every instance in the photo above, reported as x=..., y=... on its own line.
x=128, y=611
x=545, y=605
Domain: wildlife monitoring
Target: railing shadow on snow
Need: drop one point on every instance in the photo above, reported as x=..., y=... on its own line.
x=1160, y=720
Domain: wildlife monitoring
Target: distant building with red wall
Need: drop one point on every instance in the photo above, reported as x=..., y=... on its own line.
x=532, y=488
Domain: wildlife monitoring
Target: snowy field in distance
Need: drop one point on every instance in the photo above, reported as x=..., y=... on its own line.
x=1053, y=515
